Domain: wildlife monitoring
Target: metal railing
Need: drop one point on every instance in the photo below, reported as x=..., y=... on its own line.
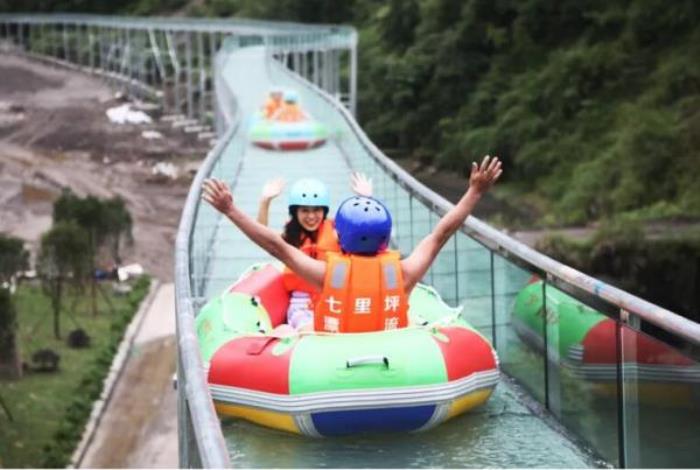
x=170, y=60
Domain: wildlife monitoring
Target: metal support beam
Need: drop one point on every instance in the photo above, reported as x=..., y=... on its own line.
x=155, y=50
x=66, y=45
x=212, y=67
x=202, y=85
x=188, y=74
x=353, y=80
x=91, y=47
x=295, y=61
x=101, y=52
x=175, y=61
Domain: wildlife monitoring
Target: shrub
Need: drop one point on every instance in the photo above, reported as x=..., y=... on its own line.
x=78, y=338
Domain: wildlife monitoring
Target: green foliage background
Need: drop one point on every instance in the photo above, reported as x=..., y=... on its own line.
x=594, y=105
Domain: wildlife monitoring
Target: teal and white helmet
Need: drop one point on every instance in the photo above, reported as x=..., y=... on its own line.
x=309, y=192
x=291, y=96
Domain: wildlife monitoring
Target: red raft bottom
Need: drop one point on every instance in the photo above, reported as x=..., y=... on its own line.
x=290, y=145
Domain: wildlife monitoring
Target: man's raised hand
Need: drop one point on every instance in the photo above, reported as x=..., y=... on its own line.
x=483, y=176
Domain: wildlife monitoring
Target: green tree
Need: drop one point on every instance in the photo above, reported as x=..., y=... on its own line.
x=119, y=226
x=399, y=23
x=64, y=260
x=106, y=223
x=13, y=257
x=10, y=362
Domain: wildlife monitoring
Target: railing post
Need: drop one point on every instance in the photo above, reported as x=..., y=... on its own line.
x=66, y=46
x=456, y=268
x=212, y=66
x=202, y=76
x=188, y=74
x=22, y=45
x=91, y=48
x=30, y=37
x=545, y=345
x=316, y=65
x=173, y=46
x=621, y=438
x=101, y=48
x=353, y=79
x=494, y=338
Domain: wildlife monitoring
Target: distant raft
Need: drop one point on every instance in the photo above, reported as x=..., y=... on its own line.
x=320, y=384
x=585, y=343
x=300, y=134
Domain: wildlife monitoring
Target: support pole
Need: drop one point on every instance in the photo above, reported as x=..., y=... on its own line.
x=91, y=48
x=172, y=50
x=353, y=79
x=316, y=65
x=202, y=77
x=66, y=45
x=212, y=68
x=188, y=74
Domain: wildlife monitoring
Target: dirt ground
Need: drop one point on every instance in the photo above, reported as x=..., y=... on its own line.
x=54, y=134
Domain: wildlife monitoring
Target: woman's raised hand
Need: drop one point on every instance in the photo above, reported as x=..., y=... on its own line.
x=272, y=188
x=218, y=194
x=360, y=184
x=483, y=176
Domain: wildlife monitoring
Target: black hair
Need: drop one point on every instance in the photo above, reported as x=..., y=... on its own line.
x=295, y=233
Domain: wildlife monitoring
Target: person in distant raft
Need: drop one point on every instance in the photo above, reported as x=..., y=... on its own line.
x=290, y=110
x=273, y=102
x=366, y=286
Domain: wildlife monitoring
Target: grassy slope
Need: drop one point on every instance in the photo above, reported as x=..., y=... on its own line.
x=40, y=401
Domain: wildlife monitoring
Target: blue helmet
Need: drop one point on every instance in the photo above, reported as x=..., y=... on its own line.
x=363, y=225
x=291, y=96
x=309, y=192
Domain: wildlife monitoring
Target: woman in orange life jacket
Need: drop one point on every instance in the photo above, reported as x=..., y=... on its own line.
x=308, y=229
x=363, y=234
x=273, y=102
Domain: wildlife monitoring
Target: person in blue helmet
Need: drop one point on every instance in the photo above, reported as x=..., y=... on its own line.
x=308, y=229
x=365, y=288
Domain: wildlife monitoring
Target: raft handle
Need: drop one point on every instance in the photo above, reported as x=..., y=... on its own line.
x=365, y=360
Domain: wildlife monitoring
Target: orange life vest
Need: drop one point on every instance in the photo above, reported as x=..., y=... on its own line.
x=326, y=240
x=289, y=113
x=271, y=107
x=362, y=293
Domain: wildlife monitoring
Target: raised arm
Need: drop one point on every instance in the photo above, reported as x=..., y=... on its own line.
x=419, y=261
x=360, y=184
x=271, y=190
x=218, y=194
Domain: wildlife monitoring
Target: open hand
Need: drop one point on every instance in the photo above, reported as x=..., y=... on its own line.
x=272, y=188
x=360, y=184
x=218, y=194
x=483, y=176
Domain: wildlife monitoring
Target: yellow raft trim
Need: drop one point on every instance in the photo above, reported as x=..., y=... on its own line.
x=271, y=419
x=467, y=402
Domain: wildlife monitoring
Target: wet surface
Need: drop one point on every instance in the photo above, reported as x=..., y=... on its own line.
x=503, y=433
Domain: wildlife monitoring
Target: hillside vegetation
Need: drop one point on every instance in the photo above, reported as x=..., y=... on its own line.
x=593, y=105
